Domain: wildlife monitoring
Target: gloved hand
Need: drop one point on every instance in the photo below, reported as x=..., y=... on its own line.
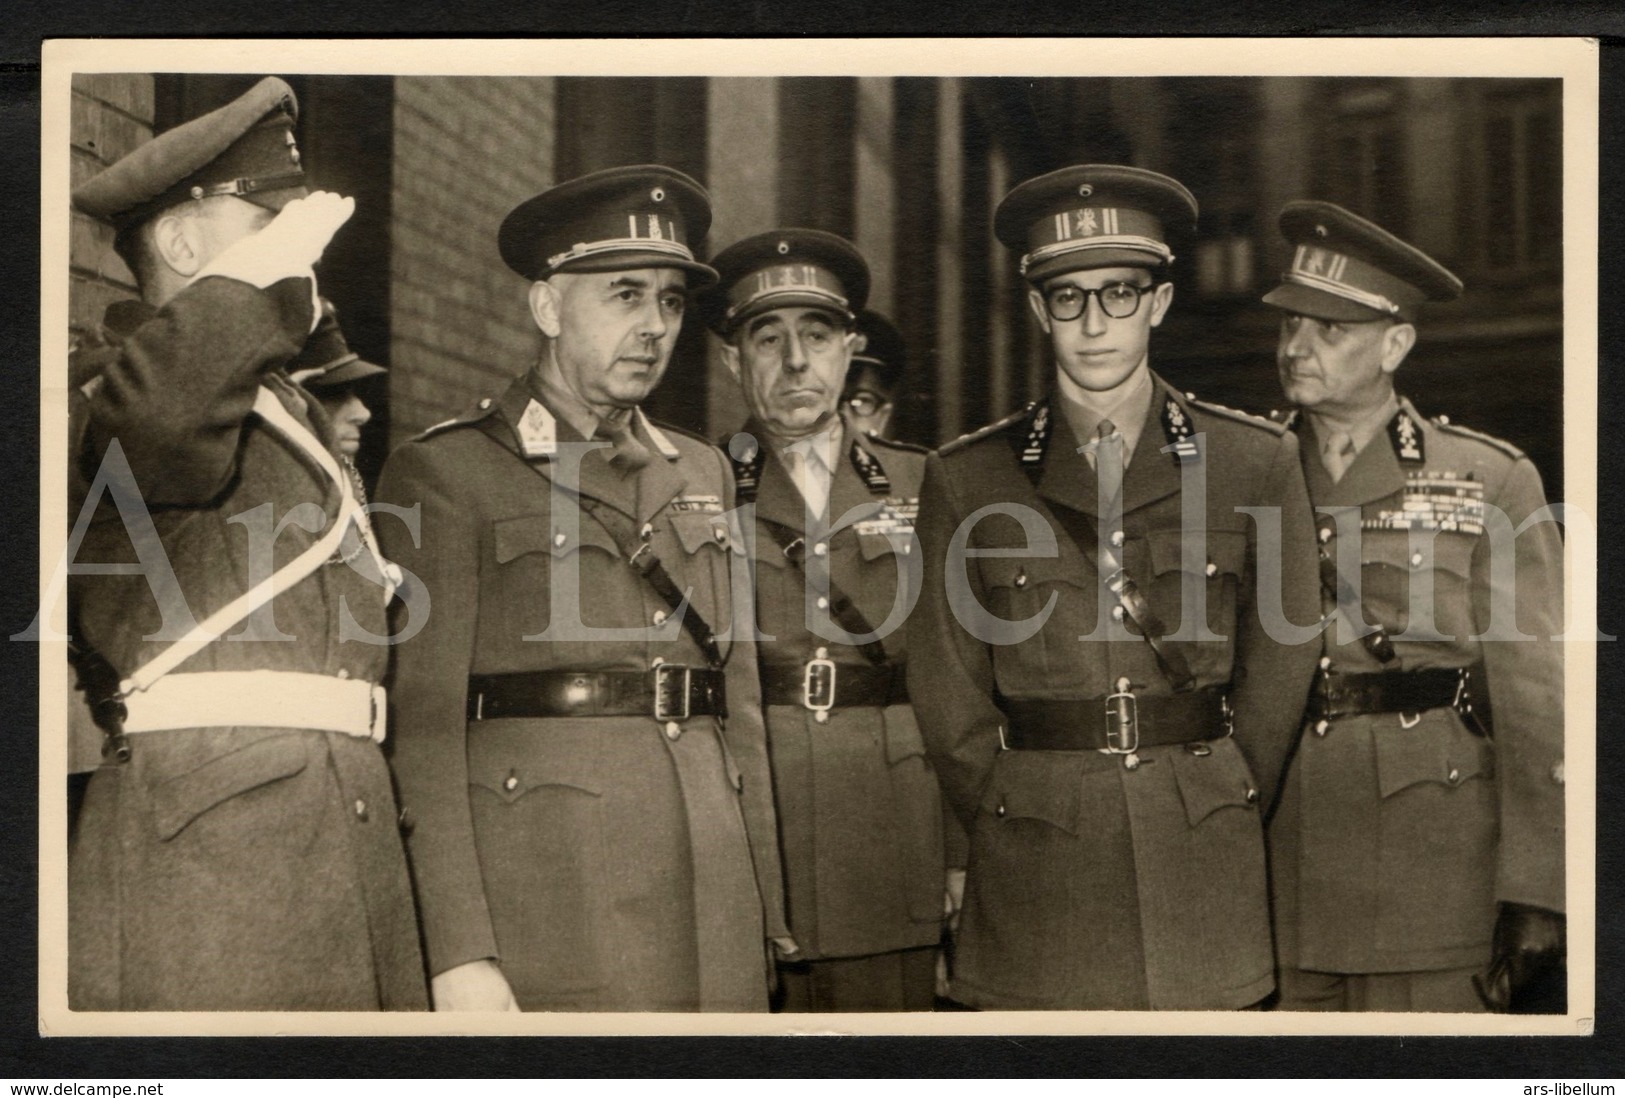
x=1528, y=963
x=286, y=248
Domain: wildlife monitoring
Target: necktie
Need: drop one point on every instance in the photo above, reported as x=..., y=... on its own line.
x=1108, y=454
x=1337, y=454
x=629, y=454
x=807, y=473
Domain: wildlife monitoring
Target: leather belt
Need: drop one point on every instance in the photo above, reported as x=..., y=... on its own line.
x=258, y=699
x=1120, y=723
x=1346, y=693
x=669, y=692
x=821, y=684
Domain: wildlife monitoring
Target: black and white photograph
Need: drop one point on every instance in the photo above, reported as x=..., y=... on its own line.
x=831, y=537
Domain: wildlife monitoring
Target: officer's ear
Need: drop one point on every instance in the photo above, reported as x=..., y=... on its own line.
x=177, y=243
x=1397, y=342
x=1035, y=301
x=544, y=307
x=1161, y=298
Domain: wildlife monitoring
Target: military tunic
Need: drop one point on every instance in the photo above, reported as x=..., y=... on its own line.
x=860, y=815
x=1092, y=885
x=229, y=868
x=1397, y=833
x=605, y=862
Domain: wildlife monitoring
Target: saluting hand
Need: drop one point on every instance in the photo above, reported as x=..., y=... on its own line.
x=288, y=247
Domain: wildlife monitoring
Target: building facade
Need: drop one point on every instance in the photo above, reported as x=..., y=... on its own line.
x=911, y=169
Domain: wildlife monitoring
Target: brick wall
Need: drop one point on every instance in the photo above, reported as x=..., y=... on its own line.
x=466, y=152
x=112, y=114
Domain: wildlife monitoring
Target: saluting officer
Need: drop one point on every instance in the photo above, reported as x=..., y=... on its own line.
x=580, y=748
x=238, y=848
x=860, y=816
x=1420, y=831
x=1103, y=683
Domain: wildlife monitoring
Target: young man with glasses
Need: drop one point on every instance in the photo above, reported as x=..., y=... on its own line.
x=1099, y=662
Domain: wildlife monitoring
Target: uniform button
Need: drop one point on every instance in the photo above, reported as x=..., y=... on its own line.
x=344, y=673
x=721, y=534
x=999, y=811
x=1557, y=772
x=1444, y=421
x=1200, y=750
x=361, y=810
x=660, y=617
x=1325, y=663
x=672, y=730
x=559, y=539
x=823, y=603
x=821, y=716
x=1212, y=569
x=1322, y=727
x=1021, y=579
x=1117, y=538
x=485, y=402
x=1117, y=613
x=1416, y=560
x=1454, y=777
x=1252, y=796
x=1325, y=534
x=647, y=532
x=820, y=549
x=511, y=782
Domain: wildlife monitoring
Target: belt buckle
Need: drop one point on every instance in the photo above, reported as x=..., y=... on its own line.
x=664, y=674
x=818, y=683
x=1123, y=723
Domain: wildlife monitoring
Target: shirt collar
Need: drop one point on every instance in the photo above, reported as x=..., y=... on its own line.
x=1362, y=430
x=1126, y=406
x=819, y=448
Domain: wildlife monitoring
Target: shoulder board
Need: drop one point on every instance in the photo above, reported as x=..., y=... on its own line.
x=479, y=411
x=894, y=444
x=991, y=429
x=1238, y=415
x=1286, y=417
x=1500, y=444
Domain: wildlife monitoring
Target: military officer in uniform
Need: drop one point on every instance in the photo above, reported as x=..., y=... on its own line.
x=874, y=380
x=580, y=746
x=238, y=847
x=1420, y=832
x=338, y=377
x=1099, y=660
x=860, y=816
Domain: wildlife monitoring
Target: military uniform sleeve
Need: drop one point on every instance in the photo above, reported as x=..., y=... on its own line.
x=428, y=695
x=1272, y=676
x=176, y=395
x=950, y=672
x=1525, y=679
x=747, y=741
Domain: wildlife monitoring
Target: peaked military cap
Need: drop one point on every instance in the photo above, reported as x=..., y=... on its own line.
x=1095, y=215
x=784, y=268
x=1346, y=268
x=328, y=354
x=619, y=219
x=245, y=149
x=878, y=348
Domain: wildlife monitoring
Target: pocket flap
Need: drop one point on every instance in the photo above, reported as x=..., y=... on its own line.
x=514, y=537
x=695, y=532
x=1226, y=551
x=1210, y=782
x=511, y=758
x=178, y=801
x=1024, y=787
x=1437, y=749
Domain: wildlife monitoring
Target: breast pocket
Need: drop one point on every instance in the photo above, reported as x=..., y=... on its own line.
x=1210, y=580
x=704, y=542
x=1039, y=609
x=543, y=558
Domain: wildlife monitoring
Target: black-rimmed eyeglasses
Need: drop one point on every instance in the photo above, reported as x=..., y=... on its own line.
x=1118, y=300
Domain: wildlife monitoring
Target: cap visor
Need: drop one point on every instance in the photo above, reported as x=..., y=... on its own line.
x=699, y=275
x=347, y=374
x=1320, y=304
x=1091, y=259
x=275, y=200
